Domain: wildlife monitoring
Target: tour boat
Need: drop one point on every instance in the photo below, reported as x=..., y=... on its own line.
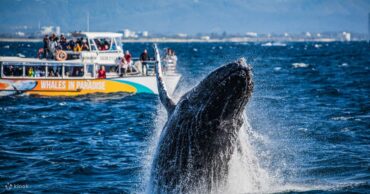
x=76, y=73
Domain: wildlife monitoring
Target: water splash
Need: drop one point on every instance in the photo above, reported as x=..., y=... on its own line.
x=246, y=174
x=149, y=154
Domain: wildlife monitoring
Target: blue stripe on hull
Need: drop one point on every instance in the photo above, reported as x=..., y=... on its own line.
x=139, y=88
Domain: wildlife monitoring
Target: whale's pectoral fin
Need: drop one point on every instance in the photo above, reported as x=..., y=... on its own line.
x=166, y=100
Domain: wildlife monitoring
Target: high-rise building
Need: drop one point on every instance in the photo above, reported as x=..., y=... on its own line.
x=346, y=36
x=57, y=30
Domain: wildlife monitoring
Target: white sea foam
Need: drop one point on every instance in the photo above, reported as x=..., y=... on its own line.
x=274, y=44
x=300, y=65
x=21, y=55
x=277, y=68
x=246, y=173
x=341, y=118
x=317, y=45
x=151, y=150
x=62, y=103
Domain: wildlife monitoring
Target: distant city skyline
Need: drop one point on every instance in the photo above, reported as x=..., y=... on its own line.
x=187, y=16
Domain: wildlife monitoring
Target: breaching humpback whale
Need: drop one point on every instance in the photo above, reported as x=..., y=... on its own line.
x=201, y=132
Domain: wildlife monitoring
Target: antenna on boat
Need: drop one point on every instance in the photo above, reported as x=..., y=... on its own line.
x=88, y=21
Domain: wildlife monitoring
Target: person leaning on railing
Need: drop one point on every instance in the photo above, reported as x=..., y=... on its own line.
x=144, y=57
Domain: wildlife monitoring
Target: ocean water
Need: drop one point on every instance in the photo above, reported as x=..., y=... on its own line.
x=307, y=125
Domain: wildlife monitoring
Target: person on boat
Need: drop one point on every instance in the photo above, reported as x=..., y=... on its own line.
x=144, y=58
x=63, y=42
x=81, y=72
x=84, y=47
x=128, y=58
x=167, y=59
x=53, y=45
x=98, y=43
x=71, y=44
x=124, y=66
x=50, y=47
x=9, y=71
x=104, y=47
x=102, y=73
x=51, y=73
x=77, y=48
x=173, y=57
x=30, y=72
x=46, y=46
x=79, y=41
x=106, y=44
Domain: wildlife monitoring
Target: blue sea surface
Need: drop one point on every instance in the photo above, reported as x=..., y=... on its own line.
x=310, y=109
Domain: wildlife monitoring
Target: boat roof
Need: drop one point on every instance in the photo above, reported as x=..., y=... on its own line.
x=92, y=35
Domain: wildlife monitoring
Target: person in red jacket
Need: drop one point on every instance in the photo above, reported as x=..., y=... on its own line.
x=101, y=73
x=128, y=57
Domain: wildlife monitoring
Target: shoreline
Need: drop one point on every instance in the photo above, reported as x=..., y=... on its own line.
x=193, y=40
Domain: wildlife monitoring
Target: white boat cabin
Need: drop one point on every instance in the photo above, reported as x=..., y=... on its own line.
x=103, y=47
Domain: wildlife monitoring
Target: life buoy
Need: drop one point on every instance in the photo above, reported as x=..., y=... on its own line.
x=61, y=55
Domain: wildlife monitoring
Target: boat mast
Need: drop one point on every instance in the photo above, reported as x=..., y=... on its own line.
x=88, y=21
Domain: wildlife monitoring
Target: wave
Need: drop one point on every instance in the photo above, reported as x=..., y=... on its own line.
x=300, y=65
x=21, y=55
x=277, y=68
x=274, y=44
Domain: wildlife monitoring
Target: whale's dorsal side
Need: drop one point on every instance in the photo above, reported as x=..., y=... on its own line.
x=166, y=100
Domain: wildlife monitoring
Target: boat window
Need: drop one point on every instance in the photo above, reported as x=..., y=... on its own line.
x=35, y=70
x=119, y=43
x=55, y=70
x=92, y=45
x=11, y=70
x=90, y=71
x=114, y=46
x=103, y=44
x=110, y=68
x=74, y=71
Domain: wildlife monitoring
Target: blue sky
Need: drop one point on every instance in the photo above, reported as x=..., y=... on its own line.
x=189, y=16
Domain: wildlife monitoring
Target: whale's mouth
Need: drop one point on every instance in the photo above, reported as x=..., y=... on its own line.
x=228, y=86
x=239, y=78
x=226, y=91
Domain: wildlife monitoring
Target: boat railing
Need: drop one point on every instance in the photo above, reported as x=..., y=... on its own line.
x=169, y=67
x=44, y=69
